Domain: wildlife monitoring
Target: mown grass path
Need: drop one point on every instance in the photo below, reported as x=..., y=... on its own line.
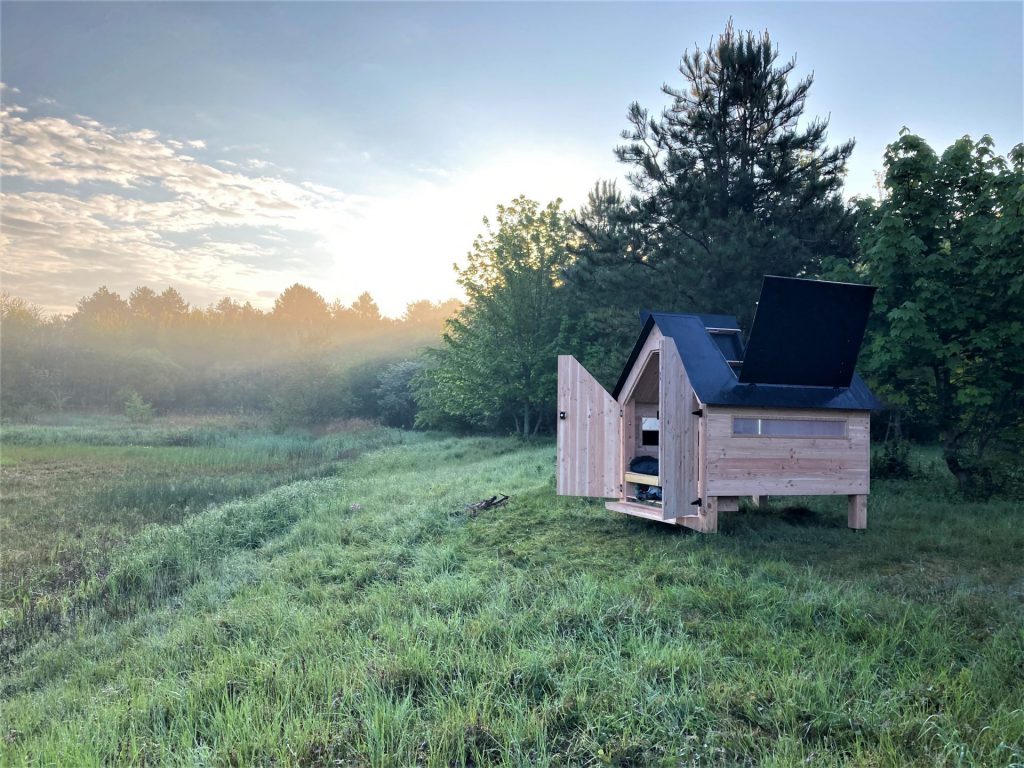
x=364, y=619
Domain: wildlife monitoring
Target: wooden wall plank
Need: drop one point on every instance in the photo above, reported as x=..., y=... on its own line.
x=678, y=439
x=781, y=466
x=589, y=453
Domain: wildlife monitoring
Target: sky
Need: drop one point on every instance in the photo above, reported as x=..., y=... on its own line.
x=232, y=149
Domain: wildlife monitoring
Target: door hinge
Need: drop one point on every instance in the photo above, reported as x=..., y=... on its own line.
x=698, y=412
x=697, y=503
x=621, y=413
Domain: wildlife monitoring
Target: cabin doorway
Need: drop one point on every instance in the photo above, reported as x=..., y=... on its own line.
x=642, y=436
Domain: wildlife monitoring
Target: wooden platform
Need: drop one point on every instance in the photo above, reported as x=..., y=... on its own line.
x=648, y=512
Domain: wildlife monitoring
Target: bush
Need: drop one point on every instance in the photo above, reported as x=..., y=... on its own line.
x=136, y=409
x=309, y=393
x=999, y=475
x=892, y=462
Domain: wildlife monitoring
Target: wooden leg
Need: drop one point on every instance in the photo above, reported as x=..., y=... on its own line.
x=706, y=521
x=709, y=515
x=759, y=501
x=857, y=511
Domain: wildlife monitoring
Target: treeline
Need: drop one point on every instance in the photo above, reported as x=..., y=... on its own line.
x=732, y=181
x=304, y=361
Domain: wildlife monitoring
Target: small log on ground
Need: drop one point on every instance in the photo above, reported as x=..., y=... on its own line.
x=479, y=506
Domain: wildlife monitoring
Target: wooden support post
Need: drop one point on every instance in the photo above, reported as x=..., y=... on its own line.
x=759, y=501
x=857, y=511
x=709, y=515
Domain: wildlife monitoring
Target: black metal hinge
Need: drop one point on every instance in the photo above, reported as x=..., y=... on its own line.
x=698, y=412
x=697, y=503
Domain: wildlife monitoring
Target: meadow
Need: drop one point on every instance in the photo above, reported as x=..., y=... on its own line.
x=209, y=593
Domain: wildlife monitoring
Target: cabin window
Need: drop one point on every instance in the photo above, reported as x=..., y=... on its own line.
x=649, y=431
x=750, y=427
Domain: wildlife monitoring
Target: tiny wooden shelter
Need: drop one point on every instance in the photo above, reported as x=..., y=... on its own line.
x=716, y=419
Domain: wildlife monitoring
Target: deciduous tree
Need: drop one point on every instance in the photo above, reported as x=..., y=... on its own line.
x=498, y=364
x=946, y=248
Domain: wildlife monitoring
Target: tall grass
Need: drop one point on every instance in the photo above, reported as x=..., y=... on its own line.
x=366, y=619
x=69, y=505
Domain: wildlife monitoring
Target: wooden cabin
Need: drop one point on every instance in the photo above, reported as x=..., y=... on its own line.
x=699, y=419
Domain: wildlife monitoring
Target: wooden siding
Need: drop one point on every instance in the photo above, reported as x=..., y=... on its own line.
x=678, y=441
x=589, y=437
x=786, y=466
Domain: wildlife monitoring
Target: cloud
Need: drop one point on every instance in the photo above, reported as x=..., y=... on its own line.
x=129, y=207
x=197, y=144
x=92, y=204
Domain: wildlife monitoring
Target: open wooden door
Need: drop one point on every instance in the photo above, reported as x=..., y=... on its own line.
x=589, y=434
x=678, y=463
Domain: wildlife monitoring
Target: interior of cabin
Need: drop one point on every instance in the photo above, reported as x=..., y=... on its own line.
x=641, y=448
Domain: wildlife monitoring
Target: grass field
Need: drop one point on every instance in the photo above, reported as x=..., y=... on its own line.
x=319, y=601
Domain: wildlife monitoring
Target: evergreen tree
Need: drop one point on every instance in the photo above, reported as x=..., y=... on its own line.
x=727, y=185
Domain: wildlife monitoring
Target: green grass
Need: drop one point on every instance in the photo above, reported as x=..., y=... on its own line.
x=75, y=492
x=363, y=618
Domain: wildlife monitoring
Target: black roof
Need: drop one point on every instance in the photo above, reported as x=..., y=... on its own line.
x=716, y=383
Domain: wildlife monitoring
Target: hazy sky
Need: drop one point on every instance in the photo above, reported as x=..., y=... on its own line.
x=232, y=149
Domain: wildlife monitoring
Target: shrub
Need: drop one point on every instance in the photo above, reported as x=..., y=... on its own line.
x=892, y=462
x=136, y=409
x=999, y=475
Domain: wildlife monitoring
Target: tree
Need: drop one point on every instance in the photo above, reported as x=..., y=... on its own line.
x=302, y=312
x=104, y=312
x=727, y=186
x=394, y=394
x=302, y=307
x=429, y=313
x=605, y=289
x=946, y=248
x=497, y=368
x=20, y=366
x=365, y=310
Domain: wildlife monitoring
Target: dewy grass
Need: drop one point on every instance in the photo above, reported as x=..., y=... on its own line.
x=68, y=506
x=365, y=619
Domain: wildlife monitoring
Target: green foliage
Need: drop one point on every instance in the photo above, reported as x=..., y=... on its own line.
x=310, y=392
x=731, y=182
x=135, y=408
x=364, y=619
x=497, y=368
x=891, y=461
x=946, y=248
x=394, y=393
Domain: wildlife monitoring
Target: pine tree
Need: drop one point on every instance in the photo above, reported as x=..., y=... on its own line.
x=728, y=185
